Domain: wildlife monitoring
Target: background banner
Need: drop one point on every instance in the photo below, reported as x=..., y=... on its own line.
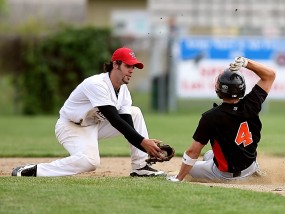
x=201, y=59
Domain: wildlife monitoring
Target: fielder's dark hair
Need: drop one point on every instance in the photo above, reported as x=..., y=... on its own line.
x=108, y=67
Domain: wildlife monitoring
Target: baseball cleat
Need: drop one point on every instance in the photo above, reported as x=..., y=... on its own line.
x=28, y=170
x=146, y=171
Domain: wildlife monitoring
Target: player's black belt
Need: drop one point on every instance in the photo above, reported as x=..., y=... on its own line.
x=236, y=174
x=248, y=171
x=230, y=174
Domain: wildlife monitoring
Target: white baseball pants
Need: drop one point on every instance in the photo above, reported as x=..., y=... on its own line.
x=82, y=145
x=207, y=169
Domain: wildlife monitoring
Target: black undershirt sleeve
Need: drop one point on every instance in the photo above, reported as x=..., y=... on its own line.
x=124, y=124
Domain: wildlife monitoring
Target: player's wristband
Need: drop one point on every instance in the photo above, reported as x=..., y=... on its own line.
x=188, y=160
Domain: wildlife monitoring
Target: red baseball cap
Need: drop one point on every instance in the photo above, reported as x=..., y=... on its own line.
x=127, y=56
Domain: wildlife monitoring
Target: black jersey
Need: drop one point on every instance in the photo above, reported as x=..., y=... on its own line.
x=233, y=131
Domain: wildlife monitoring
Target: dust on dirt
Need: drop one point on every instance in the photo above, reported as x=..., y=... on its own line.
x=273, y=167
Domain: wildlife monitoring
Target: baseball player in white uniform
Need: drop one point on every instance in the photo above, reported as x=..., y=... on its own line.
x=100, y=107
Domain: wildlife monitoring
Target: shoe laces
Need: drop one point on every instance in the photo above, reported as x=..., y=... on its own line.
x=147, y=167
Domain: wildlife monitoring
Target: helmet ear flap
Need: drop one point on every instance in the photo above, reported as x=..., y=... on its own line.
x=230, y=84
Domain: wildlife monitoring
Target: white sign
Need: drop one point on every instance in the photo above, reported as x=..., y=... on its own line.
x=197, y=80
x=201, y=59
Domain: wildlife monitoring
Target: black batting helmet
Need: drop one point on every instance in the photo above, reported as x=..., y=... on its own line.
x=230, y=84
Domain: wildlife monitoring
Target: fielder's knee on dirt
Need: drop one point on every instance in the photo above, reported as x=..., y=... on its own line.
x=94, y=161
x=71, y=165
x=86, y=162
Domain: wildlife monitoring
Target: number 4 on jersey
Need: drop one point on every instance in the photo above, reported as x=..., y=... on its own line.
x=244, y=135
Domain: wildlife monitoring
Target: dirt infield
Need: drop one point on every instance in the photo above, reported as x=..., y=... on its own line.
x=273, y=181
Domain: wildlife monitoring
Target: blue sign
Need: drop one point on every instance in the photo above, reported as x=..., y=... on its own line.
x=228, y=48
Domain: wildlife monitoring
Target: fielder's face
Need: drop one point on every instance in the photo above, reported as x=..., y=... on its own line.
x=125, y=72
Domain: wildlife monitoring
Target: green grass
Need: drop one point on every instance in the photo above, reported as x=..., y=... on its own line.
x=128, y=195
x=34, y=136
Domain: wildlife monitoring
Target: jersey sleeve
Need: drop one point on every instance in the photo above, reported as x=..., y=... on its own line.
x=98, y=94
x=256, y=97
x=202, y=132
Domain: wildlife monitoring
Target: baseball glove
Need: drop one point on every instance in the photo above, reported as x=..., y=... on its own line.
x=238, y=63
x=167, y=152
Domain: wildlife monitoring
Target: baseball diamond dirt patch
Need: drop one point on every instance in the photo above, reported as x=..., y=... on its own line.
x=273, y=167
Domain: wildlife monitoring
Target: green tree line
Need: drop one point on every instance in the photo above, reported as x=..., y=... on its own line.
x=46, y=69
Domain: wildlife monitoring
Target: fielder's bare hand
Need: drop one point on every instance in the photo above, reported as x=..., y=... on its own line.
x=150, y=145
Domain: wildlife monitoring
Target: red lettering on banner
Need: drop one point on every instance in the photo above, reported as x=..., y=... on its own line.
x=191, y=86
x=210, y=71
x=196, y=85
